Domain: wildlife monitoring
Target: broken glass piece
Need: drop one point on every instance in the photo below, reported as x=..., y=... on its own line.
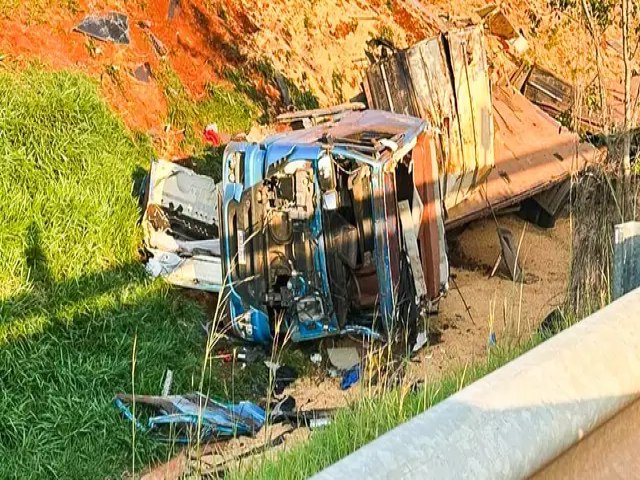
x=111, y=27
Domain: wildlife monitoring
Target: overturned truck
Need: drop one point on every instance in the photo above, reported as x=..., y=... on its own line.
x=339, y=227
x=330, y=229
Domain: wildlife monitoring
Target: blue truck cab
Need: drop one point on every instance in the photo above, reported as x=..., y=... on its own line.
x=333, y=228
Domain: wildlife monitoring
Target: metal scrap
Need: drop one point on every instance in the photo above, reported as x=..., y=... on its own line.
x=111, y=27
x=192, y=415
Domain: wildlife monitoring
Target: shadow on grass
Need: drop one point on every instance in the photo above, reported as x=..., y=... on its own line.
x=66, y=347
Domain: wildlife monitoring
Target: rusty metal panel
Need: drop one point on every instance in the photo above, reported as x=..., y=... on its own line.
x=473, y=97
x=425, y=177
x=532, y=153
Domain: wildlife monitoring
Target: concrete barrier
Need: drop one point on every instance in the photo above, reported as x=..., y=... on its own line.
x=519, y=418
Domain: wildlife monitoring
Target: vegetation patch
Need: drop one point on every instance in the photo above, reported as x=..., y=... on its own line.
x=368, y=419
x=73, y=295
x=231, y=110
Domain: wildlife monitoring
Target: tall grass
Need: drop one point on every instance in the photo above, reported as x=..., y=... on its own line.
x=369, y=418
x=73, y=295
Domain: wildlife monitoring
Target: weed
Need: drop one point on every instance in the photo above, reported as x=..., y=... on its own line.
x=36, y=10
x=337, y=81
x=386, y=33
x=300, y=99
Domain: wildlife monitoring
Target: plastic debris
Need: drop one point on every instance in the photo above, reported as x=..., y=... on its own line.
x=211, y=135
x=316, y=358
x=282, y=409
x=350, y=377
x=492, y=339
x=343, y=358
x=179, y=418
x=111, y=27
x=421, y=340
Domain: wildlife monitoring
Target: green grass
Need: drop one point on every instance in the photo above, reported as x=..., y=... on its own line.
x=73, y=295
x=368, y=419
x=230, y=109
x=242, y=80
x=36, y=10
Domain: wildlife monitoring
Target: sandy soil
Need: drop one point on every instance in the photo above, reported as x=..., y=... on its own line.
x=512, y=310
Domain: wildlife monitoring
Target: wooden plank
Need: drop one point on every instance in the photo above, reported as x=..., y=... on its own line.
x=376, y=84
x=433, y=87
x=473, y=99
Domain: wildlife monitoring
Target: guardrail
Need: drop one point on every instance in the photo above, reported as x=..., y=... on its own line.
x=518, y=419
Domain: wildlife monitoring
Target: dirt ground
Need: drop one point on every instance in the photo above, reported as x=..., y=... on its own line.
x=512, y=310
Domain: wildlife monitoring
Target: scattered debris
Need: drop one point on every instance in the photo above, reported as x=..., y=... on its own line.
x=344, y=358
x=156, y=43
x=111, y=27
x=350, y=377
x=284, y=377
x=244, y=355
x=282, y=409
x=211, y=135
x=214, y=464
x=250, y=354
x=316, y=358
x=492, y=339
x=508, y=257
x=142, y=72
x=314, y=419
x=168, y=380
x=500, y=26
x=421, y=340
x=180, y=418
